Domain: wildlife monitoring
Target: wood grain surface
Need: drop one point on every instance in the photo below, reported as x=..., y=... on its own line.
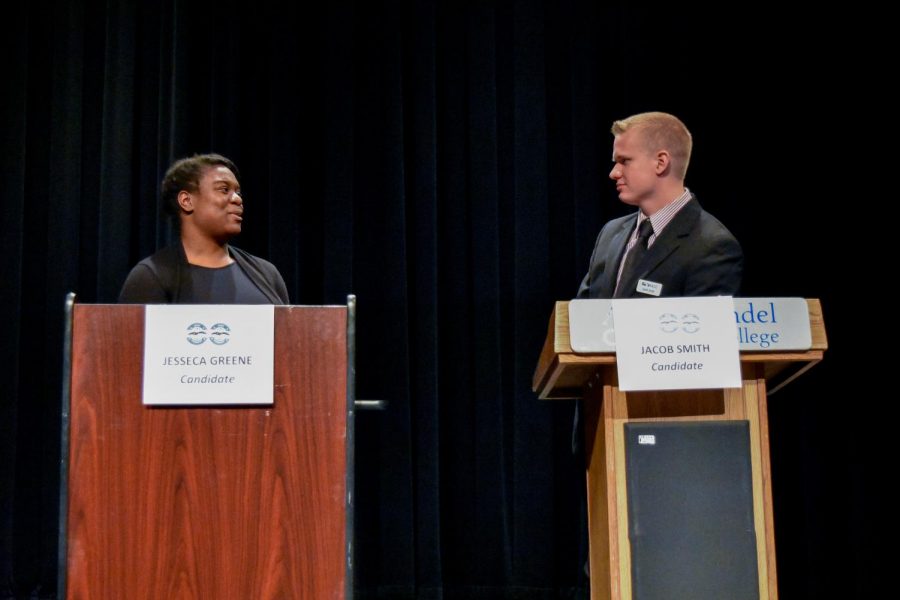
x=207, y=502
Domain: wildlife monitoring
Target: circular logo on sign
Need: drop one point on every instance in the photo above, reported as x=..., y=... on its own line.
x=196, y=333
x=668, y=322
x=219, y=334
x=690, y=323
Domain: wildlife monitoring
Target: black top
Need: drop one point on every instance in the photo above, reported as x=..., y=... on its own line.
x=167, y=278
x=222, y=285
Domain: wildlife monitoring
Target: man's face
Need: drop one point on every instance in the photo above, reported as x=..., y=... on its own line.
x=217, y=204
x=635, y=168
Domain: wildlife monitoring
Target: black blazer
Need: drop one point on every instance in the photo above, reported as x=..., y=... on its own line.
x=695, y=255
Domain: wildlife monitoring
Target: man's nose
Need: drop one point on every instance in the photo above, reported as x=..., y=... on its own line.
x=236, y=198
x=615, y=173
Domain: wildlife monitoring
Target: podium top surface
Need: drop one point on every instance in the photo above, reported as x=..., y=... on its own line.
x=562, y=373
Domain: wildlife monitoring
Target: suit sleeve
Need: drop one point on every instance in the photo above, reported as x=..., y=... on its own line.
x=584, y=290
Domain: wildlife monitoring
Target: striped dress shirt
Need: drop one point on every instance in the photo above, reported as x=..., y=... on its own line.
x=658, y=221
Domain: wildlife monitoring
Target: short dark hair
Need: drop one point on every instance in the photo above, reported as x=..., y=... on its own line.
x=185, y=174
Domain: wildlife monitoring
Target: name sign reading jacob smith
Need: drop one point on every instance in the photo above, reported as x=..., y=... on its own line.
x=208, y=354
x=676, y=343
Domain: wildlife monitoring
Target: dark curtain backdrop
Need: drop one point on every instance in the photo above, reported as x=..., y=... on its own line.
x=447, y=162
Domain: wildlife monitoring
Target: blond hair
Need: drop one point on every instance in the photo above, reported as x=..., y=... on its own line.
x=661, y=131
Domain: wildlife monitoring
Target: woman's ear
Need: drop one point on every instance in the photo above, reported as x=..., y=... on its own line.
x=185, y=201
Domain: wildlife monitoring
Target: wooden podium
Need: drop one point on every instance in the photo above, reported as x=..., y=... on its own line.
x=207, y=501
x=562, y=374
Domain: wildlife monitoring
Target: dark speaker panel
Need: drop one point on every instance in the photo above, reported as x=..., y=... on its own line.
x=690, y=510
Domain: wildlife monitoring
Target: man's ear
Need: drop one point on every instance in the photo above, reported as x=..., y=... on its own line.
x=663, y=161
x=185, y=201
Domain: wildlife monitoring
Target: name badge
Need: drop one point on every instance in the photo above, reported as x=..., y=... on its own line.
x=651, y=288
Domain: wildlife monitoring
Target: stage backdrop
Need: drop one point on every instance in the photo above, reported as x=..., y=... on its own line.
x=447, y=162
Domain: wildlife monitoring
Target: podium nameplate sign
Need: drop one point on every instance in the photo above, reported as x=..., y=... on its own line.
x=676, y=343
x=201, y=354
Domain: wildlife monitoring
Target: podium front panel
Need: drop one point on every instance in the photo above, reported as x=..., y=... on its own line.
x=207, y=502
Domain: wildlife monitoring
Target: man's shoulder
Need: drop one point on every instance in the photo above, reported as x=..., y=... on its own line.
x=614, y=225
x=710, y=226
x=704, y=221
x=618, y=221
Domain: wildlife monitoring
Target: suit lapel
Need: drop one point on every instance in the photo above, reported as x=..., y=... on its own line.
x=675, y=233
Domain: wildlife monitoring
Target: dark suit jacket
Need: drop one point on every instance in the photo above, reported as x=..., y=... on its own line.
x=695, y=255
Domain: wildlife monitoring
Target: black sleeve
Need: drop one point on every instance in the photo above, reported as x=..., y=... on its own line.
x=142, y=287
x=584, y=290
x=281, y=288
x=273, y=278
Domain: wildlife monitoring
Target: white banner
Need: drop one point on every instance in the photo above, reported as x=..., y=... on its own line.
x=208, y=354
x=772, y=324
x=763, y=325
x=676, y=343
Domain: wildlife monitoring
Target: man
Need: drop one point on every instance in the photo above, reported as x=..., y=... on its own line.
x=684, y=251
x=671, y=246
x=203, y=196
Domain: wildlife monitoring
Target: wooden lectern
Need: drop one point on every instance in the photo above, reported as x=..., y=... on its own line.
x=205, y=501
x=562, y=374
